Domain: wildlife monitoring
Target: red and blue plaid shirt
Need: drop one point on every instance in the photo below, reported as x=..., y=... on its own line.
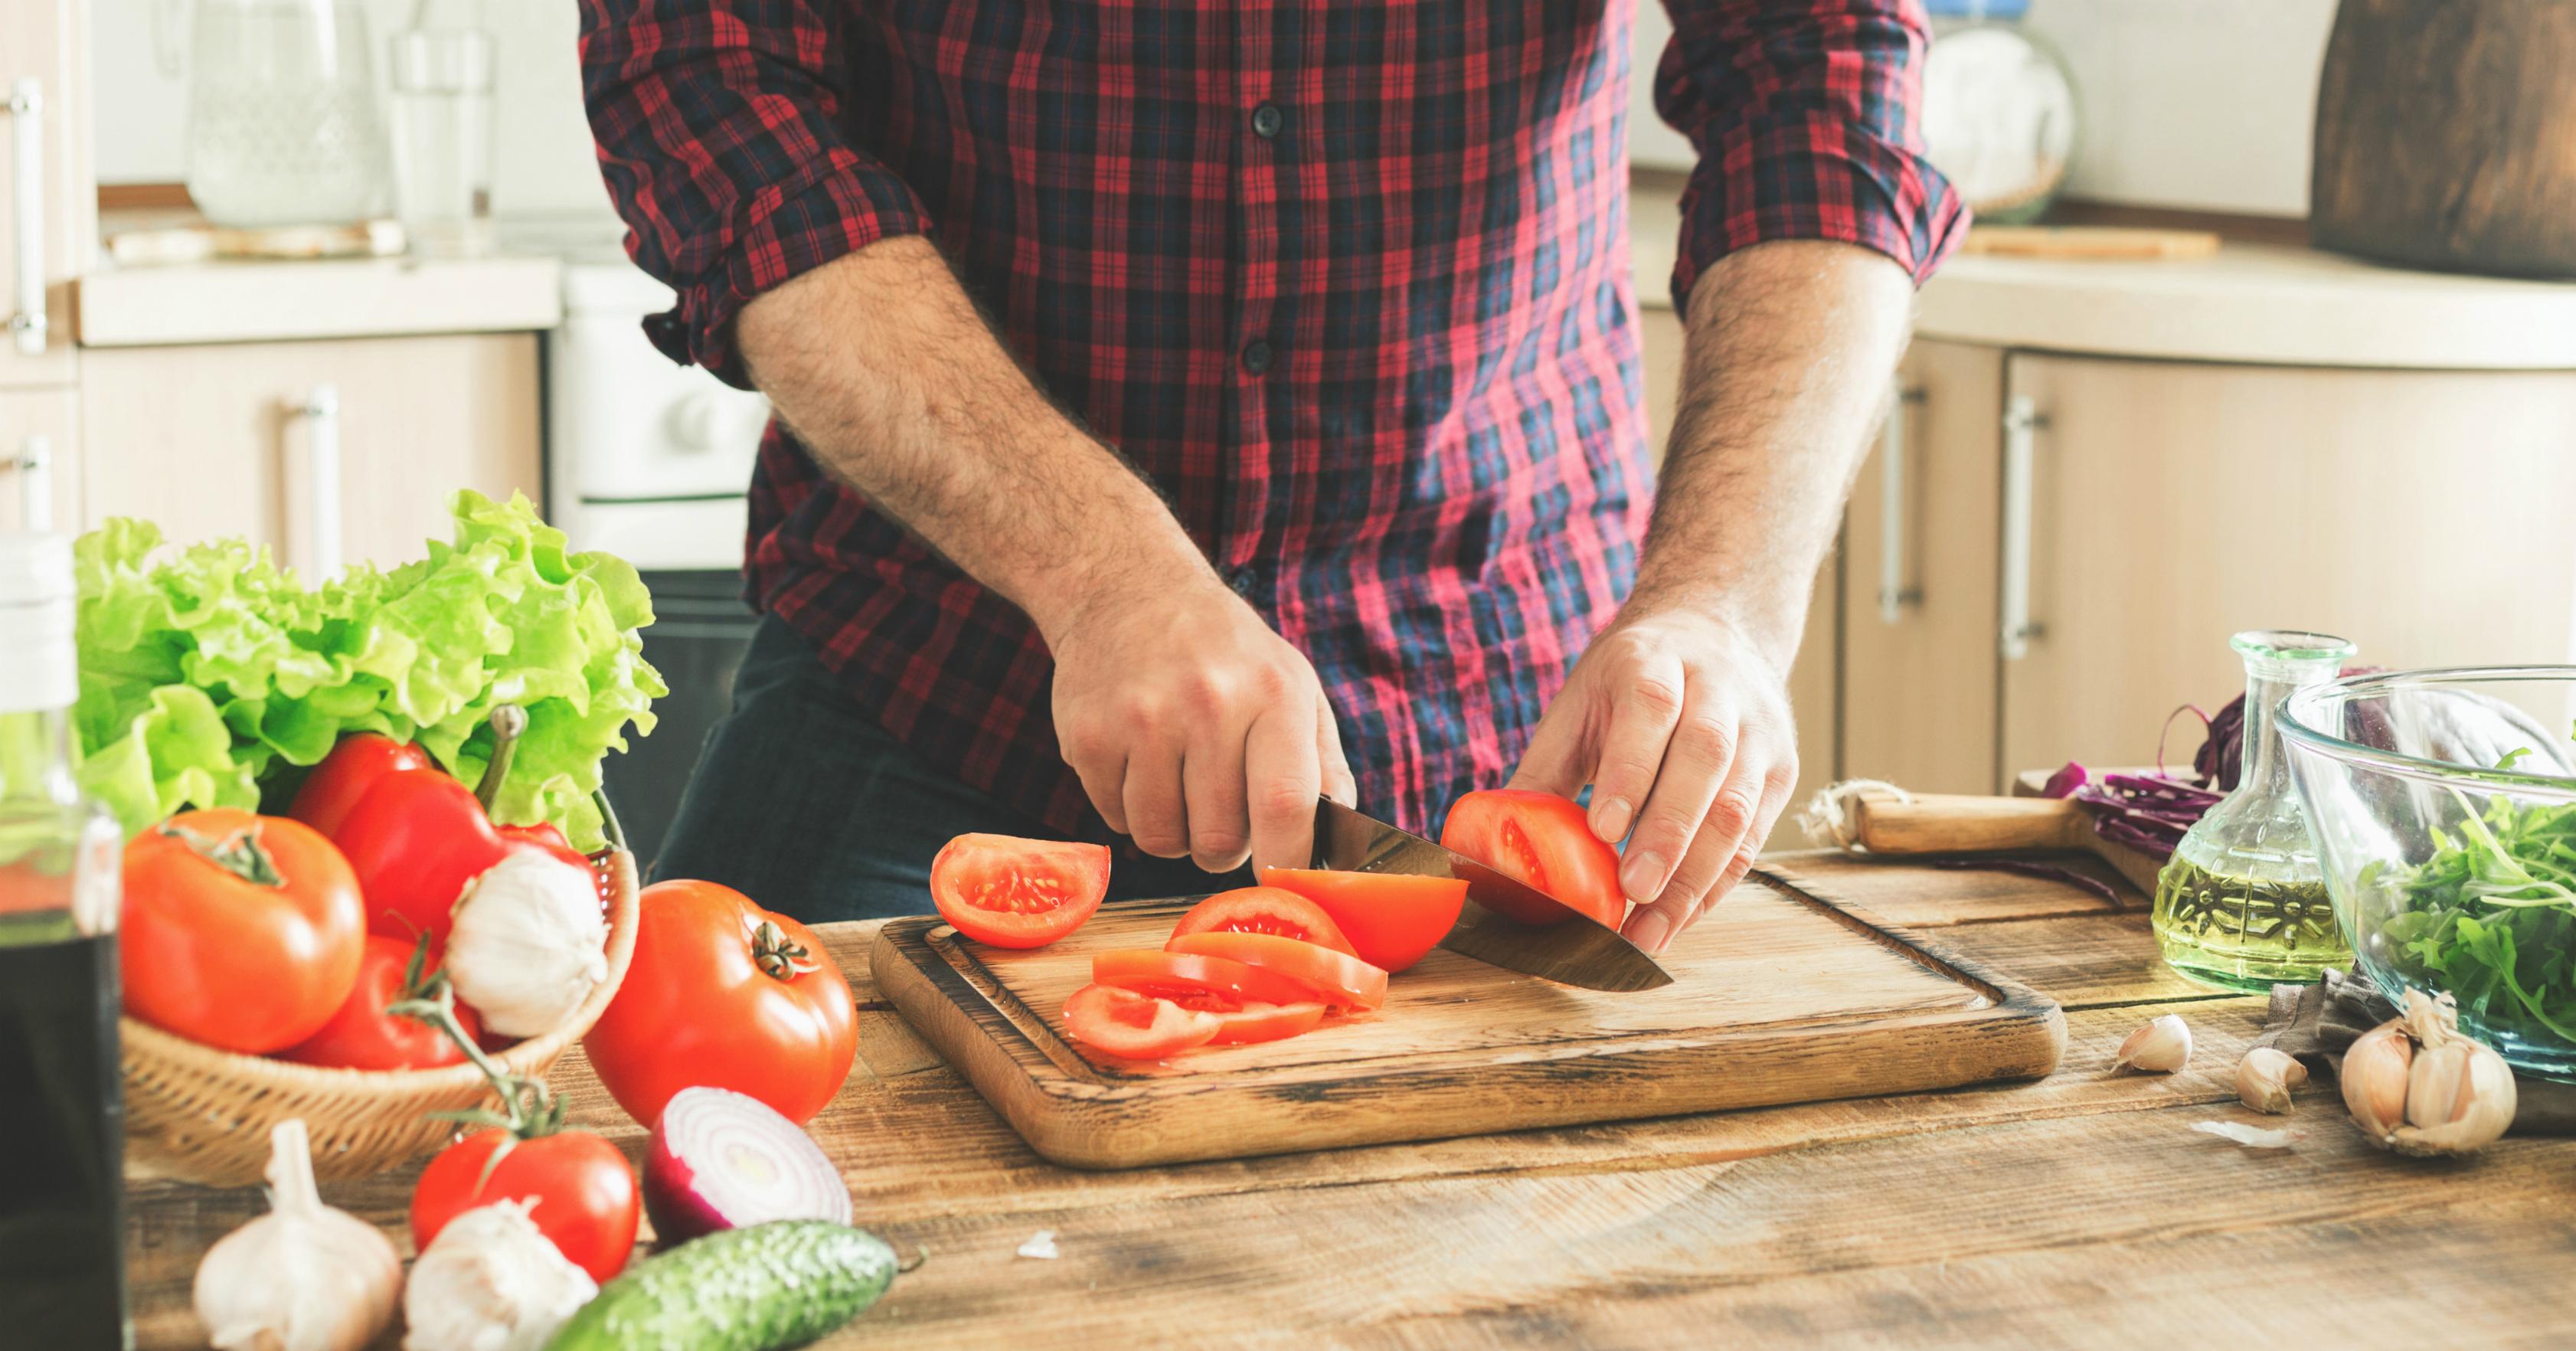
x=1350, y=281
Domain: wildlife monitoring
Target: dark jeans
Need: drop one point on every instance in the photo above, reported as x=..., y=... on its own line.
x=803, y=803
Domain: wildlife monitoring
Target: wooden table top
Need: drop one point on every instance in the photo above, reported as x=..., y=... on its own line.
x=2078, y=1210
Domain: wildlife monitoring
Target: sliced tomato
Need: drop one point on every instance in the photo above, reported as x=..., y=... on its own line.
x=1265, y=910
x=1137, y=1027
x=1541, y=840
x=1337, y=978
x=1392, y=919
x=1180, y=976
x=1015, y=893
x=1246, y=1023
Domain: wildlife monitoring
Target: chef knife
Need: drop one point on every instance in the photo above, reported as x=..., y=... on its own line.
x=1578, y=951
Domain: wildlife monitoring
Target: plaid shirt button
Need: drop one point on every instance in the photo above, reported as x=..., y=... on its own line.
x=1256, y=356
x=1267, y=120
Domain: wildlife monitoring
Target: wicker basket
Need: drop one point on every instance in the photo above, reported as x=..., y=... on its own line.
x=202, y=1115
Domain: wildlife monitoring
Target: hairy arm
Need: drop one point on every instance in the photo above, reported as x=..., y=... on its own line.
x=1195, y=728
x=1678, y=713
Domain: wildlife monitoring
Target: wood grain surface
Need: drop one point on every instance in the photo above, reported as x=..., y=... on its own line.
x=1776, y=997
x=2078, y=1210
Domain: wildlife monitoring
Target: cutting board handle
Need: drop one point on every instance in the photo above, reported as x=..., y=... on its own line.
x=1942, y=823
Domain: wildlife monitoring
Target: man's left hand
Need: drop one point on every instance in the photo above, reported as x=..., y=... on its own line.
x=1682, y=727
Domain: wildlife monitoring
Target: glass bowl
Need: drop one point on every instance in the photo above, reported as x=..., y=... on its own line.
x=2443, y=805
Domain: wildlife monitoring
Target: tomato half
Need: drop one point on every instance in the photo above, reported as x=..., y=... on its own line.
x=1178, y=976
x=1392, y=919
x=1337, y=978
x=1542, y=840
x=724, y=994
x=242, y=932
x=1015, y=893
x=1134, y=1026
x=341, y=781
x=586, y=1201
x=362, y=1036
x=1265, y=910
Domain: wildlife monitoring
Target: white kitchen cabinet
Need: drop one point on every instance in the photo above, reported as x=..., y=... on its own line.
x=210, y=440
x=43, y=79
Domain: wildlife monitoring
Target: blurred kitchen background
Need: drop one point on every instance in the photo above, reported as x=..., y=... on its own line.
x=2098, y=467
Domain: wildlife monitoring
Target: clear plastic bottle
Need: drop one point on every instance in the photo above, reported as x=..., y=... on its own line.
x=2242, y=904
x=62, y=1221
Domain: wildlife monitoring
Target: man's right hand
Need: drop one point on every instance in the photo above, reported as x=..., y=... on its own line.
x=1196, y=729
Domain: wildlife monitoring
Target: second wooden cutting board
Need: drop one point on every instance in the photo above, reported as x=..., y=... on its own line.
x=1777, y=997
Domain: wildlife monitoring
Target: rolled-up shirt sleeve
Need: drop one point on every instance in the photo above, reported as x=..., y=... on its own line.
x=1807, y=115
x=719, y=136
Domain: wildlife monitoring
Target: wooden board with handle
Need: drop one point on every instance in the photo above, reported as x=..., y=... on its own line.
x=1778, y=997
x=1954, y=823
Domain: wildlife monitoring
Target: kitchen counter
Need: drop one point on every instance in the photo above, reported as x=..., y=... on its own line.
x=2078, y=1209
x=304, y=299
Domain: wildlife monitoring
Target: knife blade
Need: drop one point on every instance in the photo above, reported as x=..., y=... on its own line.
x=1579, y=951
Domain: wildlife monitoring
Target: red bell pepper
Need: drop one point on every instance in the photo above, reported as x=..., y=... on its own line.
x=348, y=773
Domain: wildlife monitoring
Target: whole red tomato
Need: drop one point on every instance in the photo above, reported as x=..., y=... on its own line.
x=362, y=1036
x=241, y=932
x=724, y=994
x=587, y=1202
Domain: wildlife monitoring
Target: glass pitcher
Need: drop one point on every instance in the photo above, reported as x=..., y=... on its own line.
x=282, y=126
x=2242, y=904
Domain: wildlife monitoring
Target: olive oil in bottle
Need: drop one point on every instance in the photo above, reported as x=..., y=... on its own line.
x=62, y=1137
x=2242, y=904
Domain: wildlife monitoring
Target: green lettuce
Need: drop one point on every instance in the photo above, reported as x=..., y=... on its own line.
x=212, y=678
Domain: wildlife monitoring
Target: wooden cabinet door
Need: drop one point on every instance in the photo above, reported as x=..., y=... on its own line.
x=210, y=441
x=1918, y=694
x=40, y=481
x=1812, y=676
x=44, y=83
x=2422, y=514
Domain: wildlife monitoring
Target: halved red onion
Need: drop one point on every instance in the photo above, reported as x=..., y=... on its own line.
x=721, y=1160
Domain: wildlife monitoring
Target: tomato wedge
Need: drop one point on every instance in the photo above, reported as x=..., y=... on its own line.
x=1266, y=910
x=1178, y=976
x=1246, y=1023
x=1015, y=893
x=1542, y=840
x=1337, y=978
x=1392, y=919
x=1135, y=1026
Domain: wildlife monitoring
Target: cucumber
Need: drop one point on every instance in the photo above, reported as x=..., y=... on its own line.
x=771, y=1285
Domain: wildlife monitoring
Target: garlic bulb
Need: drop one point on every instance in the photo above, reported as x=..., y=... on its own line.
x=2419, y=1086
x=303, y=1277
x=529, y=944
x=2160, y=1047
x=491, y=1281
x=2265, y=1077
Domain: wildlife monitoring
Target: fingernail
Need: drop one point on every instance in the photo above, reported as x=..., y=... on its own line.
x=1649, y=930
x=1610, y=817
x=1641, y=875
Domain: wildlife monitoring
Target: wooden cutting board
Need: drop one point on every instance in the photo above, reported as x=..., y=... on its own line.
x=1776, y=997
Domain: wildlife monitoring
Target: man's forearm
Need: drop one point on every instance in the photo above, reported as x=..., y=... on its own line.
x=880, y=365
x=1790, y=348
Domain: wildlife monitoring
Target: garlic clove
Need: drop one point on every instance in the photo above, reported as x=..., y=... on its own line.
x=2160, y=1047
x=2375, y=1070
x=2460, y=1097
x=2265, y=1077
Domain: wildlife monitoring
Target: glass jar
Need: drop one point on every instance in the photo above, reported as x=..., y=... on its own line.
x=2242, y=904
x=2000, y=115
x=282, y=113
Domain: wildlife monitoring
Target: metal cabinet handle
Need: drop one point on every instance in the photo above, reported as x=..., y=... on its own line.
x=1893, y=594
x=321, y=413
x=2022, y=421
x=35, y=465
x=27, y=137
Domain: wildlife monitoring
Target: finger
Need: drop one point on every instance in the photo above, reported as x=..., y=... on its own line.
x=1283, y=773
x=1212, y=774
x=1157, y=817
x=1655, y=923
x=1776, y=791
x=1722, y=849
x=1559, y=757
x=1102, y=767
x=1698, y=759
x=1336, y=781
x=1634, y=755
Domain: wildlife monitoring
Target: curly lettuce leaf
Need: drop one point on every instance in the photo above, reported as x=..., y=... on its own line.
x=210, y=674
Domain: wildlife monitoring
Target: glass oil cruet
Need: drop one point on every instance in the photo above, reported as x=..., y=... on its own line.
x=2242, y=904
